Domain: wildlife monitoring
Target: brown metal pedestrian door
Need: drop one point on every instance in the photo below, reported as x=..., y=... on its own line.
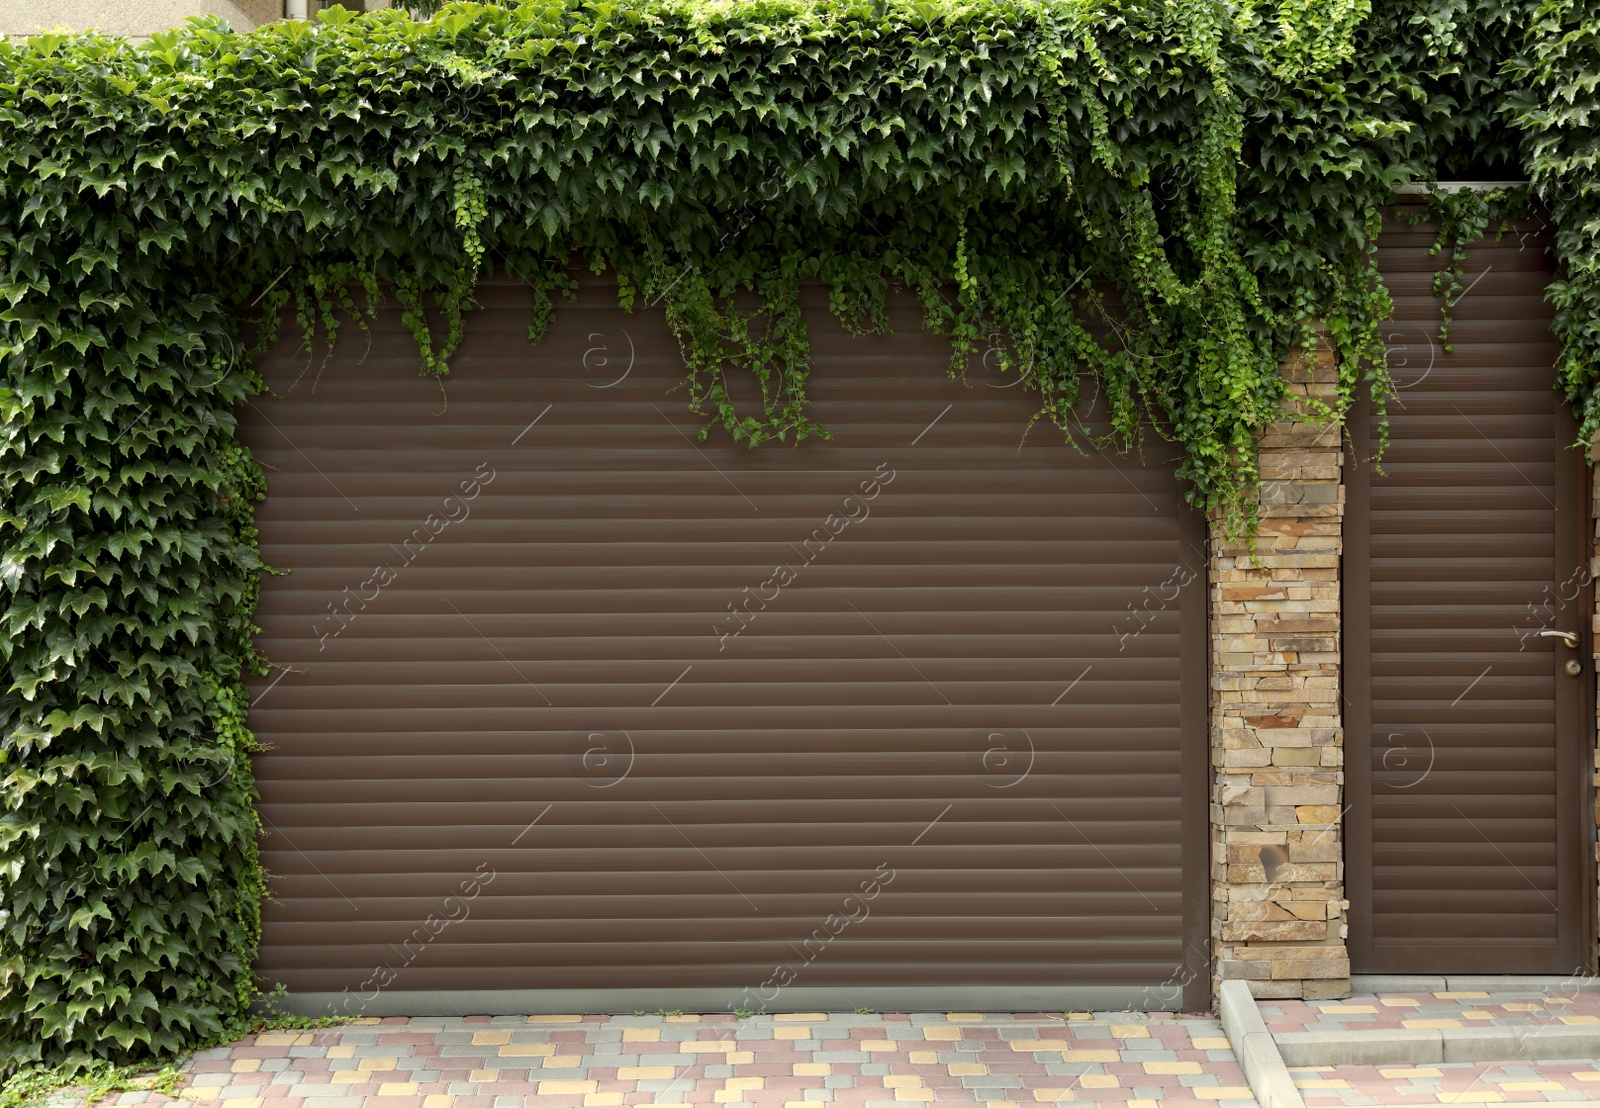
x=1465, y=560
x=574, y=711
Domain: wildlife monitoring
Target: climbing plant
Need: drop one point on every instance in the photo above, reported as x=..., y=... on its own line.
x=1207, y=176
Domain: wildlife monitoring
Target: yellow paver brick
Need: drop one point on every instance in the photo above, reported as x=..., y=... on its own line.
x=812, y=1069
x=645, y=1073
x=567, y=1088
x=438, y=1100
x=1586, y=1075
x=902, y=1081
x=562, y=1061
x=398, y=1088
x=942, y=1034
x=246, y=1065
x=740, y=1058
x=1471, y=1096
x=967, y=1069
x=878, y=1046
x=341, y=1052
x=350, y=1077
x=490, y=1038
x=481, y=1076
x=745, y=1083
x=1399, y=1002
x=284, y=1038
x=1357, y=1009
x=1172, y=1067
x=366, y=1021
x=1099, y=1081
x=964, y=1017
x=1130, y=1031
x=377, y=1063
x=681, y=1019
x=1586, y=1020
x=923, y=1058
x=1208, y=1042
x=1523, y=1007
x=527, y=1050
x=791, y=1032
x=1144, y=1104
x=801, y=1017
x=1478, y=1015
x=641, y=1034
x=600, y=1100
x=1223, y=1092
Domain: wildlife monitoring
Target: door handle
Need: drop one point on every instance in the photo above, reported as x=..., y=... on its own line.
x=1568, y=637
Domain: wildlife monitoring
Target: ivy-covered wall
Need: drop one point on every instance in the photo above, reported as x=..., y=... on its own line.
x=1219, y=166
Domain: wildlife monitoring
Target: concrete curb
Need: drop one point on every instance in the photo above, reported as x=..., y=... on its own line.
x=1253, y=1045
x=1537, y=1043
x=1368, y=984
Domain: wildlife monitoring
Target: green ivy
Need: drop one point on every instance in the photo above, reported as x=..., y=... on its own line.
x=1155, y=199
x=1553, y=99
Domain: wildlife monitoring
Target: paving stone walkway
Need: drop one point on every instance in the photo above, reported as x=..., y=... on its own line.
x=1393, y=1011
x=1448, y=1083
x=1136, y=1060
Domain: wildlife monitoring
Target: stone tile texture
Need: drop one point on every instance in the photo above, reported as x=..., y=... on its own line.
x=1277, y=741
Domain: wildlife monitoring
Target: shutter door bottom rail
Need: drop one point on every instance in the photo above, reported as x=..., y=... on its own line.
x=1165, y=997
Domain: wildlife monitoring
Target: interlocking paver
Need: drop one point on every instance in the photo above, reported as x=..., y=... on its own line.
x=1526, y=1008
x=1446, y=1083
x=893, y=1059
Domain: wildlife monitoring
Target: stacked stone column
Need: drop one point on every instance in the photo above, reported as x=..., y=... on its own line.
x=1277, y=744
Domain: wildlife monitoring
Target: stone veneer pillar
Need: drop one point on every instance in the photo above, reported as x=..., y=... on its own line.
x=1277, y=743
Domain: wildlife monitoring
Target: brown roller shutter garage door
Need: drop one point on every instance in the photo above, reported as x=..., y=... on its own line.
x=1467, y=771
x=576, y=712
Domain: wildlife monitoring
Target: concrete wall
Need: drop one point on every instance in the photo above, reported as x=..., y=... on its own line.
x=133, y=18
x=140, y=18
